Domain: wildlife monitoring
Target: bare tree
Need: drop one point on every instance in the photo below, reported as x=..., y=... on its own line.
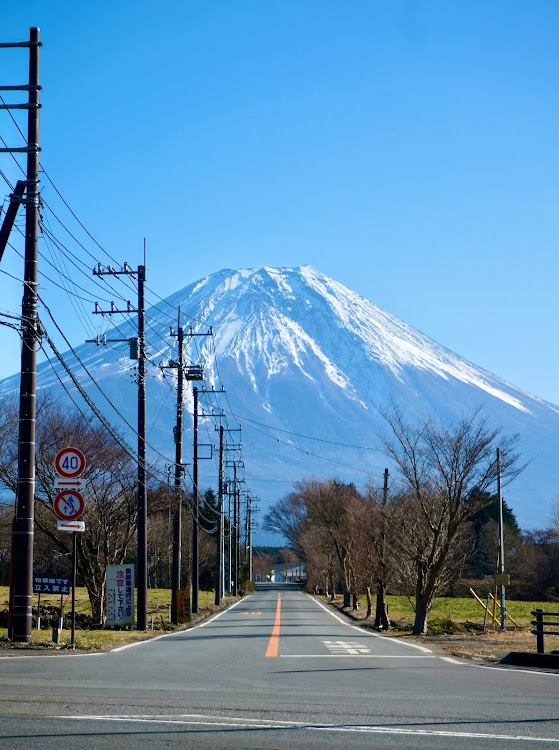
x=445, y=470
x=110, y=510
x=554, y=517
x=262, y=565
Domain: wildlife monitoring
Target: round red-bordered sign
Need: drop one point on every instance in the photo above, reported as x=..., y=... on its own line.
x=69, y=463
x=68, y=505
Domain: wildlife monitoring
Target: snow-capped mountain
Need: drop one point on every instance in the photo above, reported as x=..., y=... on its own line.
x=305, y=363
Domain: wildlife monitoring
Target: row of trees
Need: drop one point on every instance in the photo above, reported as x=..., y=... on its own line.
x=414, y=537
x=110, y=511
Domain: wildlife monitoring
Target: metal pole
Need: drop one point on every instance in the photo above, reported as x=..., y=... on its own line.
x=219, y=538
x=177, y=520
x=235, y=538
x=501, y=541
x=250, y=539
x=74, y=579
x=195, y=514
x=229, y=542
x=381, y=613
x=21, y=618
x=142, y=562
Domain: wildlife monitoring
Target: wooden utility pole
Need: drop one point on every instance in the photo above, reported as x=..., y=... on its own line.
x=142, y=559
x=195, y=510
x=22, y=562
x=137, y=351
x=501, y=543
x=235, y=561
x=381, y=613
x=177, y=518
x=219, y=540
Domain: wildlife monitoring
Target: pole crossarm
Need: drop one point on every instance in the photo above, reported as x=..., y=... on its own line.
x=191, y=334
x=25, y=105
x=25, y=87
x=114, y=310
x=21, y=150
x=126, y=270
x=30, y=43
x=103, y=341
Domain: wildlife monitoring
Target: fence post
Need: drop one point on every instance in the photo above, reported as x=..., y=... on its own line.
x=539, y=634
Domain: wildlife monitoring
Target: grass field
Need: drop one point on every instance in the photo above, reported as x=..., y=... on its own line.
x=462, y=610
x=455, y=625
x=159, y=602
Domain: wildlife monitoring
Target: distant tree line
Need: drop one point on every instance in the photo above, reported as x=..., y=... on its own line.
x=437, y=520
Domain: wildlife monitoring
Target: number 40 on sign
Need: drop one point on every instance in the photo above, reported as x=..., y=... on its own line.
x=69, y=463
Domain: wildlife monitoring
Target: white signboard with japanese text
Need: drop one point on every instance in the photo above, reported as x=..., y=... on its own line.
x=120, y=594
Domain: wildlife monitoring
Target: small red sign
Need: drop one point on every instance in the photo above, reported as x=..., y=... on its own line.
x=69, y=463
x=68, y=505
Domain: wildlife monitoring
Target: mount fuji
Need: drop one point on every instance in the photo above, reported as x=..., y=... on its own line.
x=306, y=363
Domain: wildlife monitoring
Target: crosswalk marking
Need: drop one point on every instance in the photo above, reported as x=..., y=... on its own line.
x=347, y=647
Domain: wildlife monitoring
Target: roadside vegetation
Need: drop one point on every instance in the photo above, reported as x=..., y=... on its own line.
x=101, y=638
x=430, y=520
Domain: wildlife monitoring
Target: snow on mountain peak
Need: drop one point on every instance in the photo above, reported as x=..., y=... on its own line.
x=283, y=317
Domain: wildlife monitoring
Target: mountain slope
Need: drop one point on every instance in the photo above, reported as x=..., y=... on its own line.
x=302, y=355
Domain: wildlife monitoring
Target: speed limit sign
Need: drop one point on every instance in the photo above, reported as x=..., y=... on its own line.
x=69, y=463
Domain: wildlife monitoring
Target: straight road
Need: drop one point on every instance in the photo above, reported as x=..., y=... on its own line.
x=276, y=670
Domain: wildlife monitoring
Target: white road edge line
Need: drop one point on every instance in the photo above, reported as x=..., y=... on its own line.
x=449, y=659
x=179, y=632
x=198, y=720
x=6, y=657
x=358, y=656
x=366, y=632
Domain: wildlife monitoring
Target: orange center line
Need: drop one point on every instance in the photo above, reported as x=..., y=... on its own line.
x=273, y=645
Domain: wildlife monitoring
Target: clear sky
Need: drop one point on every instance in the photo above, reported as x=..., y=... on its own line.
x=408, y=149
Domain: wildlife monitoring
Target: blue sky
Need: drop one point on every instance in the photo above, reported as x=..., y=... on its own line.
x=407, y=149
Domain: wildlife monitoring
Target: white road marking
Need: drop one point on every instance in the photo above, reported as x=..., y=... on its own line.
x=7, y=657
x=372, y=633
x=256, y=724
x=179, y=632
x=495, y=667
x=358, y=656
x=349, y=647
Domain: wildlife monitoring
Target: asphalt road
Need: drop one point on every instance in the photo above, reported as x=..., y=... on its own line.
x=276, y=670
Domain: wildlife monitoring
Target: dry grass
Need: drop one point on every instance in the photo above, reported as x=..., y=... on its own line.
x=456, y=625
x=159, y=602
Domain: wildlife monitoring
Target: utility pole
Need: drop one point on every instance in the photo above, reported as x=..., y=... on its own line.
x=231, y=494
x=219, y=541
x=501, y=542
x=237, y=563
x=22, y=529
x=235, y=560
x=381, y=614
x=137, y=351
x=195, y=511
x=229, y=543
x=142, y=562
x=177, y=518
x=249, y=555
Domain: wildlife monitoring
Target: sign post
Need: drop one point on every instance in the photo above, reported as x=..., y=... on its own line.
x=69, y=506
